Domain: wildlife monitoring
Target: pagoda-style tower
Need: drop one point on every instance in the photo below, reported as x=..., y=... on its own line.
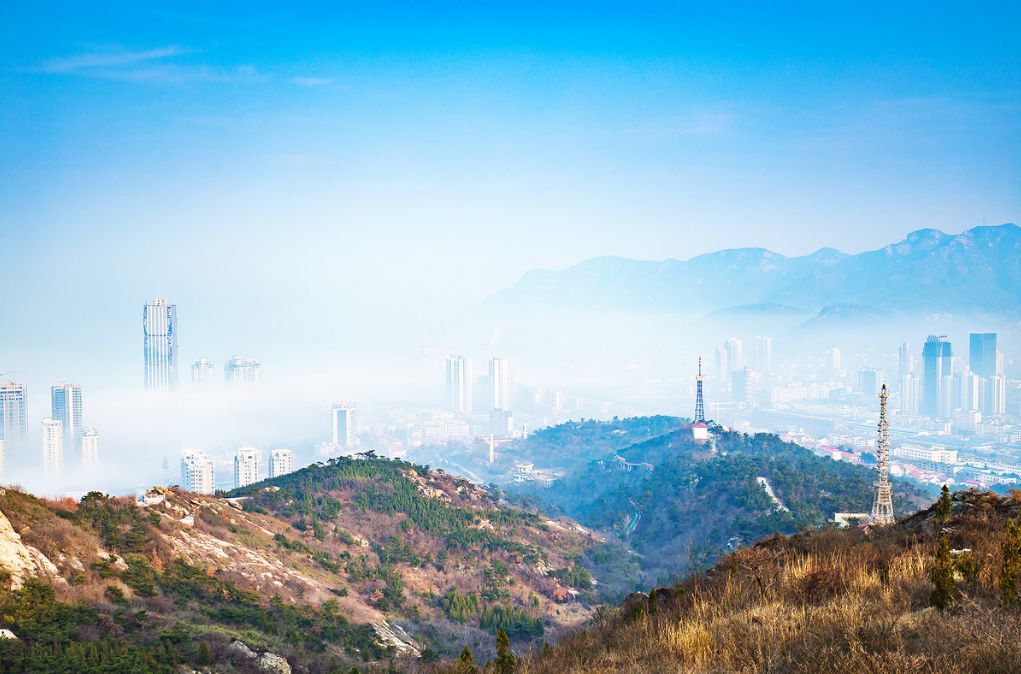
x=882, y=507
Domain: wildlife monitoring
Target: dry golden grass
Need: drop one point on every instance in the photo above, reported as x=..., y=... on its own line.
x=819, y=602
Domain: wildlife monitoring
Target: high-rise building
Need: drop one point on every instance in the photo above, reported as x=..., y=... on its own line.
x=735, y=353
x=937, y=365
x=982, y=354
x=993, y=396
x=833, y=359
x=53, y=445
x=246, y=466
x=459, y=384
x=909, y=394
x=240, y=371
x=499, y=382
x=159, y=330
x=722, y=366
x=345, y=425
x=763, y=361
x=281, y=462
x=966, y=391
x=202, y=373
x=869, y=379
x=66, y=407
x=13, y=413
x=3, y=457
x=198, y=474
x=905, y=360
x=88, y=442
x=501, y=423
x=744, y=387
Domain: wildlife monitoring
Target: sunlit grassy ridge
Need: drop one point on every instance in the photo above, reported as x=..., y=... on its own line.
x=839, y=601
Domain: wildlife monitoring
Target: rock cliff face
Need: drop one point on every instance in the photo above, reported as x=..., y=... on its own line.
x=19, y=560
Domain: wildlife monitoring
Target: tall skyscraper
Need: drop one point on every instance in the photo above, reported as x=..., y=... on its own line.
x=13, y=413
x=202, y=373
x=246, y=466
x=982, y=354
x=3, y=457
x=499, y=382
x=735, y=353
x=722, y=367
x=763, y=361
x=459, y=384
x=909, y=394
x=993, y=396
x=905, y=360
x=965, y=391
x=159, y=330
x=66, y=407
x=198, y=474
x=240, y=371
x=937, y=365
x=833, y=359
x=281, y=462
x=88, y=442
x=53, y=445
x=869, y=379
x=345, y=425
x=501, y=423
x=744, y=387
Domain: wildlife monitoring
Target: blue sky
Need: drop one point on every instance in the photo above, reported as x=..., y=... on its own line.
x=384, y=154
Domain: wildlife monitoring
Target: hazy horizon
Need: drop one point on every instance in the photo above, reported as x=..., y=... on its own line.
x=335, y=190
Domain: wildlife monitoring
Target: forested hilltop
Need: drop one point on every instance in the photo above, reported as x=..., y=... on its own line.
x=357, y=562
x=681, y=504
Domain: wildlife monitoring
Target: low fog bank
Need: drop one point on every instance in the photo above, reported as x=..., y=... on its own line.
x=605, y=364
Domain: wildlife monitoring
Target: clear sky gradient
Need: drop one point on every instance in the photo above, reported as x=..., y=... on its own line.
x=310, y=159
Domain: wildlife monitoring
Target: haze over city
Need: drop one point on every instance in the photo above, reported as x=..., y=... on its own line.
x=347, y=195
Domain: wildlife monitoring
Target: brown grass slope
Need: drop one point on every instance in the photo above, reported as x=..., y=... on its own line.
x=836, y=601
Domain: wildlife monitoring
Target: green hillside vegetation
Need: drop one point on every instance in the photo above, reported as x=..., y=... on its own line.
x=693, y=503
x=317, y=567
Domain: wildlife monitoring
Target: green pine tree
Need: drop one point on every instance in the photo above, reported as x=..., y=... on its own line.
x=466, y=664
x=504, y=663
x=942, y=575
x=944, y=506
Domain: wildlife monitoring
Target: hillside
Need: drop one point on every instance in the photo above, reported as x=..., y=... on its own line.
x=679, y=505
x=353, y=561
x=842, y=601
x=919, y=273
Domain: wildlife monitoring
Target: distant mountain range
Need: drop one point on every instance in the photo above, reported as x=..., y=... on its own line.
x=977, y=270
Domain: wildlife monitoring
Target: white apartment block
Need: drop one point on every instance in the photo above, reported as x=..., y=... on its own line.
x=281, y=462
x=246, y=466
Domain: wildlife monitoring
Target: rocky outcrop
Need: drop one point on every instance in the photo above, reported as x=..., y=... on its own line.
x=20, y=560
x=265, y=661
x=394, y=635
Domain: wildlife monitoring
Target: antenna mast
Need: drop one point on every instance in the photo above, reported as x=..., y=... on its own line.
x=699, y=405
x=882, y=507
